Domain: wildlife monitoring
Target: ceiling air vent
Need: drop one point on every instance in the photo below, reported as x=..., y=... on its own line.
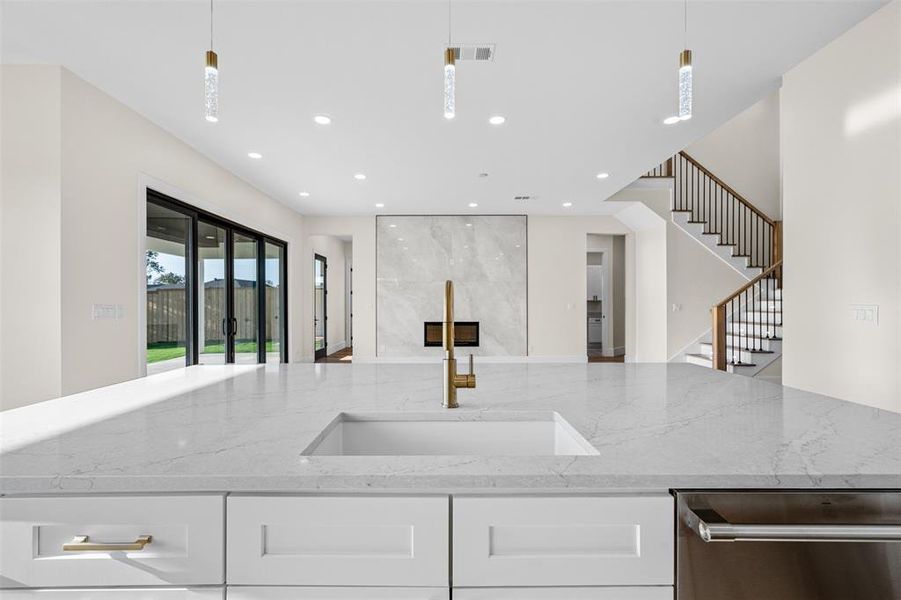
x=477, y=52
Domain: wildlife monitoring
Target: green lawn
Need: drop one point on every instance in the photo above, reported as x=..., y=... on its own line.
x=169, y=350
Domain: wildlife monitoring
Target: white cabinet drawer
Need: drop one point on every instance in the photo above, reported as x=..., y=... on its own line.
x=336, y=593
x=566, y=593
x=116, y=594
x=553, y=541
x=345, y=541
x=186, y=546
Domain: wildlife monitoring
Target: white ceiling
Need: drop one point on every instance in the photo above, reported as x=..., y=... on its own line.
x=584, y=86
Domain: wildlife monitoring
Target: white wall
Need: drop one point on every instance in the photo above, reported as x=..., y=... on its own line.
x=108, y=154
x=744, y=152
x=30, y=294
x=841, y=149
x=332, y=248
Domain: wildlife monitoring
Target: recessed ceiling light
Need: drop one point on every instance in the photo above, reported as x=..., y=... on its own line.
x=497, y=120
x=567, y=204
x=400, y=239
x=469, y=224
x=322, y=119
x=359, y=176
x=473, y=204
x=393, y=225
x=255, y=155
x=304, y=194
x=210, y=237
x=602, y=175
x=671, y=120
x=380, y=205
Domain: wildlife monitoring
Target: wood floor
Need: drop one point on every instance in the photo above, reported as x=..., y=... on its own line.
x=606, y=359
x=341, y=356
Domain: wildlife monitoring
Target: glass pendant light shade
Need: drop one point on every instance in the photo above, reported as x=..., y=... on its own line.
x=211, y=87
x=685, y=85
x=449, y=84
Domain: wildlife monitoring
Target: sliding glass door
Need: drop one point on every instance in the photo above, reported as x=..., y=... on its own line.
x=212, y=302
x=216, y=291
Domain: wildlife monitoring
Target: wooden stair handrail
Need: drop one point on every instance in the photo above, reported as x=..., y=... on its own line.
x=726, y=187
x=750, y=284
x=719, y=316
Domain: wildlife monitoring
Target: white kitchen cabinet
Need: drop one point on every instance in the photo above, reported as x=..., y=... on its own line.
x=566, y=593
x=560, y=541
x=116, y=594
x=345, y=541
x=186, y=545
x=336, y=593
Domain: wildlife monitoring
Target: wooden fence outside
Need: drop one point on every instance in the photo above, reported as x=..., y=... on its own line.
x=167, y=321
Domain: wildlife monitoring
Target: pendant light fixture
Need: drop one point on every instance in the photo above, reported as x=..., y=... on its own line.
x=211, y=79
x=685, y=75
x=450, y=101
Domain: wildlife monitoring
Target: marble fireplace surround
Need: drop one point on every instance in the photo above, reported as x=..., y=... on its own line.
x=485, y=256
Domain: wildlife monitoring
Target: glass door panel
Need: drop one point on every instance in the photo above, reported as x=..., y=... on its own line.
x=245, y=299
x=168, y=323
x=320, y=283
x=212, y=304
x=274, y=308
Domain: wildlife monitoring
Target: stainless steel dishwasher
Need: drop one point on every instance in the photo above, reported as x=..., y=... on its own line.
x=788, y=545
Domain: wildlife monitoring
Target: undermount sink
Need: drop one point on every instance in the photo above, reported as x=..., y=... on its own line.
x=457, y=433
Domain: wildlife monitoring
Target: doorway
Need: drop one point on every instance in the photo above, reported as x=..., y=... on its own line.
x=320, y=309
x=605, y=301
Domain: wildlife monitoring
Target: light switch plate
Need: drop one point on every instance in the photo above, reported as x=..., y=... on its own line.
x=865, y=313
x=107, y=311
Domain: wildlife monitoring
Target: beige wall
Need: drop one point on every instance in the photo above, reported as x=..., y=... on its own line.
x=841, y=136
x=30, y=294
x=108, y=154
x=557, y=288
x=744, y=152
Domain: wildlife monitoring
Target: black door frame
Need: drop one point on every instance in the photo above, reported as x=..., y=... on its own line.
x=323, y=352
x=192, y=350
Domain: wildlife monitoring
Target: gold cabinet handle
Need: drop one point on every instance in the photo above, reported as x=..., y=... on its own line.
x=80, y=543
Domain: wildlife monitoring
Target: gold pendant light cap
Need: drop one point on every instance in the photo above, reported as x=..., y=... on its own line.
x=449, y=56
x=212, y=60
x=685, y=58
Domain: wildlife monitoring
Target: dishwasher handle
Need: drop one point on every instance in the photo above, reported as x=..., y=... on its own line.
x=710, y=526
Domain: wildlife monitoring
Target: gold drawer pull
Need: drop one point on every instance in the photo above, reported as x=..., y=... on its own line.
x=80, y=543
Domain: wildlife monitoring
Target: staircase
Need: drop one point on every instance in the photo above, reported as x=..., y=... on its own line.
x=746, y=326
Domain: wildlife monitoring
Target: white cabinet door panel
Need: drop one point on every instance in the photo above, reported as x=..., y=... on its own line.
x=343, y=541
x=116, y=594
x=593, y=593
x=186, y=547
x=336, y=593
x=556, y=541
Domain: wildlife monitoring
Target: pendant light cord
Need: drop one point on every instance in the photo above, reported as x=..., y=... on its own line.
x=211, y=24
x=684, y=22
x=448, y=23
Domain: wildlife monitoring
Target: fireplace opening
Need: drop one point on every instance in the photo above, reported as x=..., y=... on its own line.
x=466, y=333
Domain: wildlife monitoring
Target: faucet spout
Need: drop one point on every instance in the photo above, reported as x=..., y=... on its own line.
x=452, y=380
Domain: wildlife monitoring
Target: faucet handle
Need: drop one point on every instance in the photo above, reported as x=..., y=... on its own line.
x=470, y=363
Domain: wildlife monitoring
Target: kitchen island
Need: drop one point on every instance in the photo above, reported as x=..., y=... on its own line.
x=215, y=482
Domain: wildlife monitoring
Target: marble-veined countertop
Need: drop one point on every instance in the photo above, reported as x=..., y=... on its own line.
x=243, y=429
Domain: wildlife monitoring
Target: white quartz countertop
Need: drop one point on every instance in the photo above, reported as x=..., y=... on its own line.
x=234, y=429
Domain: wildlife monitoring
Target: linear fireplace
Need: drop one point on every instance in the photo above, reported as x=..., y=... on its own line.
x=466, y=333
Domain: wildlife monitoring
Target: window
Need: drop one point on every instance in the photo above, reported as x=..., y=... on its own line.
x=216, y=290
